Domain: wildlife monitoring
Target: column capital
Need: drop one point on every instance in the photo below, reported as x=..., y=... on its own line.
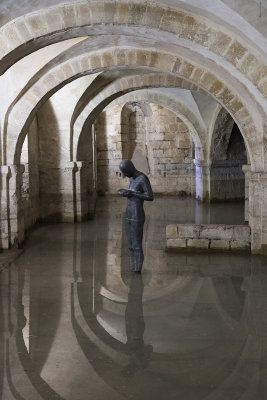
x=17, y=169
x=258, y=175
x=246, y=168
x=4, y=169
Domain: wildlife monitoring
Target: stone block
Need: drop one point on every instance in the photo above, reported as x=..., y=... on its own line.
x=172, y=21
x=152, y=17
x=190, y=26
x=184, y=144
x=188, y=231
x=239, y=245
x=171, y=231
x=4, y=243
x=241, y=233
x=198, y=243
x=216, y=87
x=176, y=243
x=36, y=24
x=216, y=232
x=219, y=41
x=219, y=244
x=197, y=74
x=11, y=35
x=186, y=69
x=235, y=52
x=225, y=96
x=68, y=15
x=236, y=105
x=207, y=79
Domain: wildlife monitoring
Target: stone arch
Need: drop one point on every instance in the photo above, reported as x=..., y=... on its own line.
x=197, y=129
x=224, y=122
x=227, y=181
x=37, y=29
x=143, y=57
x=173, y=101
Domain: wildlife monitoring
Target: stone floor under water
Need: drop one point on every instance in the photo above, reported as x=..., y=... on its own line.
x=76, y=325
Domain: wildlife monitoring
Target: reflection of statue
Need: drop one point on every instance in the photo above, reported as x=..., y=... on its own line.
x=135, y=326
x=139, y=190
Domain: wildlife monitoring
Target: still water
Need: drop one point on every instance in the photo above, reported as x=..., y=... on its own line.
x=76, y=325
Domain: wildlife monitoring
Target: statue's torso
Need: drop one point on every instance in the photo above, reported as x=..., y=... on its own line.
x=135, y=208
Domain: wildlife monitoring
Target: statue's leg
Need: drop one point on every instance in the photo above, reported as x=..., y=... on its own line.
x=137, y=238
x=129, y=229
x=129, y=233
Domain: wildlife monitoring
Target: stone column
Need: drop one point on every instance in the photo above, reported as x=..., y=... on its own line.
x=202, y=180
x=67, y=193
x=85, y=196
x=57, y=192
x=258, y=211
x=4, y=210
x=247, y=170
x=15, y=204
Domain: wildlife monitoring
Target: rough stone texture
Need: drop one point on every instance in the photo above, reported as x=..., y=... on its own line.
x=171, y=231
x=158, y=143
x=188, y=231
x=210, y=237
x=198, y=243
x=218, y=52
x=176, y=243
x=217, y=231
x=239, y=245
x=220, y=244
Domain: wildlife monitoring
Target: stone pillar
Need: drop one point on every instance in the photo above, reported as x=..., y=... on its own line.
x=247, y=170
x=202, y=180
x=67, y=194
x=85, y=193
x=15, y=205
x=258, y=211
x=4, y=211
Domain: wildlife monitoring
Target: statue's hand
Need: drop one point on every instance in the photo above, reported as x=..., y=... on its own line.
x=123, y=192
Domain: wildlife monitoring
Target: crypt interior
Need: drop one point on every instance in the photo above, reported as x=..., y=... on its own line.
x=180, y=88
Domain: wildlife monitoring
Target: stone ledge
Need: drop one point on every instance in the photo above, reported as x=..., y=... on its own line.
x=209, y=237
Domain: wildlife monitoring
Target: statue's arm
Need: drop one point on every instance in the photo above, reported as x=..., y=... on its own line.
x=147, y=193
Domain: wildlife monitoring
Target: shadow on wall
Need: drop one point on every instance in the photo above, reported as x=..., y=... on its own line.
x=134, y=134
x=50, y=166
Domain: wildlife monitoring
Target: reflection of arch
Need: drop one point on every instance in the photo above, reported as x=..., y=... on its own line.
x=237, y=349
x=166, y=62
x=230, y=287
x=23, y=377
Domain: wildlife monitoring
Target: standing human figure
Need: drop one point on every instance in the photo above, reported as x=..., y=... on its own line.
x=139, y=190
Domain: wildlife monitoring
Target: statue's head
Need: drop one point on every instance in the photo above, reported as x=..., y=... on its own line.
x=127, y=168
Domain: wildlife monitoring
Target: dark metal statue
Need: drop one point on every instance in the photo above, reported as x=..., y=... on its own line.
x=139, y=190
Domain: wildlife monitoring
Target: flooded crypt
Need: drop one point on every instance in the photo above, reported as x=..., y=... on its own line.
x=166, y=300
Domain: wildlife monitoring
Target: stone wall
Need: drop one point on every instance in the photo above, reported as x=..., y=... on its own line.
x=182, y=237
x=159, y=145
x=67, y=190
